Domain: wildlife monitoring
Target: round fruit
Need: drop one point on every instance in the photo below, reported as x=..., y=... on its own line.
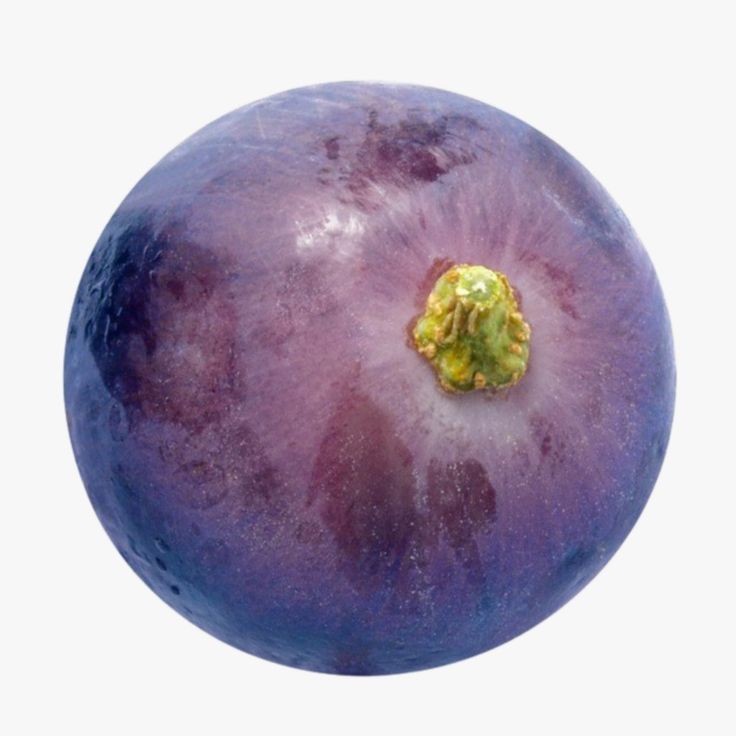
x=366, y=379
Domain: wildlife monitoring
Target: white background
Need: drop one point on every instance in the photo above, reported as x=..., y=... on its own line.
x=95, y=93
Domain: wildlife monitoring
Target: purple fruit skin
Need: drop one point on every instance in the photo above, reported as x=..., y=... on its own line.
x=264, y=446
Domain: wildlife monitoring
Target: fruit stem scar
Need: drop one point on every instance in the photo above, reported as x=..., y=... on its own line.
x=472, y=331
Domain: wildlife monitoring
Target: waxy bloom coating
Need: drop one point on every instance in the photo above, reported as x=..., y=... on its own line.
x=258, y=432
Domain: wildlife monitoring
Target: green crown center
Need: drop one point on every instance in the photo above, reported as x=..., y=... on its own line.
x=472, y=331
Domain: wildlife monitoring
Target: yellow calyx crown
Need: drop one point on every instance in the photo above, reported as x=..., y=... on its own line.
x=472, y=331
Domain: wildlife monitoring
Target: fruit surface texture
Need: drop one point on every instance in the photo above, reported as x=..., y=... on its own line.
x=262, y=426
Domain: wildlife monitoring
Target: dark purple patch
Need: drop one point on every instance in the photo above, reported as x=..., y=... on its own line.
x=365, y=489
x=114, y=300
x=363, y=483
x=248, y=466
x=229, y=462
x=411, y=152
x=462, y=504
x=562, y=283
x=332, y=148
x=546, y=437
x=565, y=287
x=161, y=327
x=176, y=287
